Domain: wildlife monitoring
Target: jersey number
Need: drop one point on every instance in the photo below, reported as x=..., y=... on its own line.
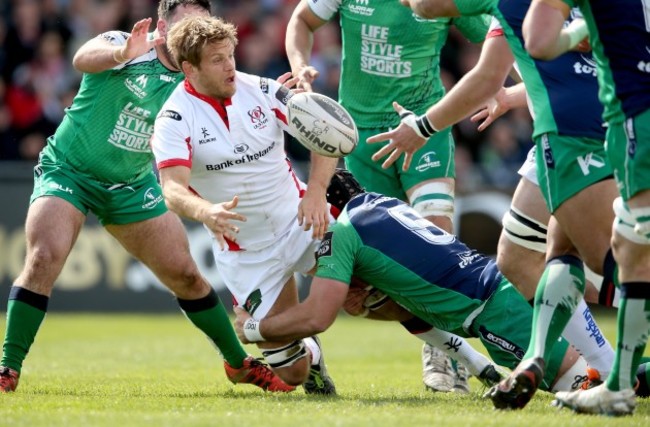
x=405, y=215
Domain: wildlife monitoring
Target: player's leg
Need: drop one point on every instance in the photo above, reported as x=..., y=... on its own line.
x=628, y=150
x=53, y=222
x=522, y=244
x=167, y=255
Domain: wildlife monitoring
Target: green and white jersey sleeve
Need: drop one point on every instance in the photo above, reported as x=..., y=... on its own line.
x=105, y=132
x=389, y=54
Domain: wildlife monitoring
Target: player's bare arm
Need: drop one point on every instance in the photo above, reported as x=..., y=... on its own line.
x=312, y=316
x=506, y=99
x=467, y=96
x=98, y=55
x=217, y=217
x=299, y=42
x=313, y=212
x=543, y=30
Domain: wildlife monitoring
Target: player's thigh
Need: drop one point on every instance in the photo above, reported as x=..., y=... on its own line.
x=161, y=244
x=370, y=174
x=567, y=165
x=586, y=218
x=628, y=148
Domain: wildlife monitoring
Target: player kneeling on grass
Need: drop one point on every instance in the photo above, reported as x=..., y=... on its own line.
x=381, y=241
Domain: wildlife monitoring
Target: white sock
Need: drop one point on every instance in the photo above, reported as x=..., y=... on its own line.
x=314, y=349
x=572, y=378
x=457, y=348
x=585, y=335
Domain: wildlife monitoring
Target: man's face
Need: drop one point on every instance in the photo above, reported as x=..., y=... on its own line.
x=179, y=13
x=215, y=75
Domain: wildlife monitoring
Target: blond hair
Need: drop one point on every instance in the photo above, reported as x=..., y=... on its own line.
x=187, y=37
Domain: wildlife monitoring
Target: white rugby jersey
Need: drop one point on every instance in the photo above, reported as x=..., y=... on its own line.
x=236, y=151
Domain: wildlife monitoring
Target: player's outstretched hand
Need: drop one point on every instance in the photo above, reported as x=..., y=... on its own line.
x=306, y=77
x=313, y=213
x=402, y=140
x=241, y=316
x=289, y=82
x=219, y=222
x=138, y=43
x=493, y=109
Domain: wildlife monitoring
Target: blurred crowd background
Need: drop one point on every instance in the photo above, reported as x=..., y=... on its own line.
x=39, y=37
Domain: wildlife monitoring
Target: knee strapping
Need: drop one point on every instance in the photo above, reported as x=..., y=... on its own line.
x=524, y=231
x=434, y=199
x=632, y=224
x=285, y=356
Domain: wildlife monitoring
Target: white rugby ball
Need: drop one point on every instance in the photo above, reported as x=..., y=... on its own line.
x=321, y=124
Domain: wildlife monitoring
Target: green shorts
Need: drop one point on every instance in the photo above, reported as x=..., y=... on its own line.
x=628, y=149
x=111, y=203
x=567, y=165
x=434, y=160
x=504, y=328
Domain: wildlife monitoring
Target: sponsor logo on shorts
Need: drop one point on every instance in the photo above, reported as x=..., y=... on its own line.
x=253, y=301
x=548, y=153
x=151, y=199
x=588, y=160
x=631, y=137
x=57, y=186
x=589, y=68
x=427, y=161
x=325, y=248
x=501, y=342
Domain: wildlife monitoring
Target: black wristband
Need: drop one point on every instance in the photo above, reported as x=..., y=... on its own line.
x=425, y=126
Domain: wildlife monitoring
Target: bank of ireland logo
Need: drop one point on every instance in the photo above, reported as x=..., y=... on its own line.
x=427, y=161
x=151, y=199
x=241, y=148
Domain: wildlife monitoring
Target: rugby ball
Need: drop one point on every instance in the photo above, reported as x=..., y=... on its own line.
x=321, y=124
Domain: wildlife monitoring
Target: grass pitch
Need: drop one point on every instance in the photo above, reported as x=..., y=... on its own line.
x=127, y=370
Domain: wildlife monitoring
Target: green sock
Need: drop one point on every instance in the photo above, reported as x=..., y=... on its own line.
x=560, y=289
x=25, y=313
x=209, y=315
x=633, y=331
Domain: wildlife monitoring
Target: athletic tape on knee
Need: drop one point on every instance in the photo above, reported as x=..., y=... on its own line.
x=434, y=199
x=524, y=231
x=627, y=223
x=285, y=356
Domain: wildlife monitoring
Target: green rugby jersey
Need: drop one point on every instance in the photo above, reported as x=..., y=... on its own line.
x=383, y=242
x=105, y=132
x=390, y=54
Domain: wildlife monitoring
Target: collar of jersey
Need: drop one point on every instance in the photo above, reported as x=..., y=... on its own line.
x=212, y=101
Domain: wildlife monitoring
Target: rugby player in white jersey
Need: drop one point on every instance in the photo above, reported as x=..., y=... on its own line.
x=219, y=145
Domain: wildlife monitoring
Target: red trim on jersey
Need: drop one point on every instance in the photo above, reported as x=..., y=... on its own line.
x=280, y=115
x=221, y=109
x=335, y=211
x=497, y=32
x=178, y=162
x=174, y=162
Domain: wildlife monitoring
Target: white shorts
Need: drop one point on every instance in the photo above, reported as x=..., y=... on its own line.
x=528, y=169
x=256, y=278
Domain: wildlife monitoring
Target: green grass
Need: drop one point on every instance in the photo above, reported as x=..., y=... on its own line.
x=125, y=370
